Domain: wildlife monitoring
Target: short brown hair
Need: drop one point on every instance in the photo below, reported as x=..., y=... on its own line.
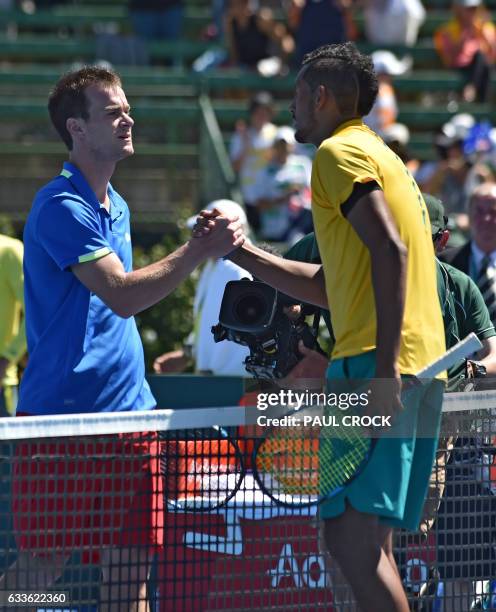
x=68, y=98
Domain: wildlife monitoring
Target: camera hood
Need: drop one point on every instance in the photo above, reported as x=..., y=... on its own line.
x=248, y=306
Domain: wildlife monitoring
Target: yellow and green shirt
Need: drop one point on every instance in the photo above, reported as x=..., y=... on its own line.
x=12, y=333
x=354, y=154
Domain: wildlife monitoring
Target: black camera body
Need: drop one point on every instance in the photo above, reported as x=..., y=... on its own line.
x=252, y=314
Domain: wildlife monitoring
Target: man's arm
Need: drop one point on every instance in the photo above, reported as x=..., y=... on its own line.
x=371, y=218
x=487, y=355
x=128, y=293
x=303, y=281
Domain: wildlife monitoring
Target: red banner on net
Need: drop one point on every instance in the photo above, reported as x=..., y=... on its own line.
x=228, y=562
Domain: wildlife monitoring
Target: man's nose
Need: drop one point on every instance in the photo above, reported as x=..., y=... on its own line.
x=128, y=119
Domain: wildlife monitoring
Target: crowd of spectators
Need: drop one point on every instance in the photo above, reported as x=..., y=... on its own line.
x=466, y=43
x=272, y=37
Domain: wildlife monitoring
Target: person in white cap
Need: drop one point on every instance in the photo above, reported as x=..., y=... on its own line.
x=221, y=358
x=468, y=43
x=284, y=201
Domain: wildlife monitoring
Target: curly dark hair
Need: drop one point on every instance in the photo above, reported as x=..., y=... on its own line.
x=348, y=73
x=68, y=99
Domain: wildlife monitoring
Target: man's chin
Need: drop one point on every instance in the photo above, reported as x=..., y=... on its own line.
x=300, y=137
x=127, y=151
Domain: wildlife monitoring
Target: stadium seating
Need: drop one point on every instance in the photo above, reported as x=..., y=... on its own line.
x=36, y=48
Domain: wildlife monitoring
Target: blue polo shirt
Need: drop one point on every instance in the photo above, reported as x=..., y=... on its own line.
x=82, y=356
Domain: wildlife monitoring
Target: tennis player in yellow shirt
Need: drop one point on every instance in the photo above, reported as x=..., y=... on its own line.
x=378, y=280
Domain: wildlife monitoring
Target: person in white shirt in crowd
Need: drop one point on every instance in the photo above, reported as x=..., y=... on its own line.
x=393, y=22
x=385, y=109
x=250, y=151
x=221, y=358
x=284, y=202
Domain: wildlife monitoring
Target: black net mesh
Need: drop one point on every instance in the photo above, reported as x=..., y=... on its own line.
x=171, y=519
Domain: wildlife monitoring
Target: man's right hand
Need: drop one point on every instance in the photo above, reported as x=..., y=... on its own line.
x=309, y=373
x=384, y=397
x=205, y=221
x=217, y=234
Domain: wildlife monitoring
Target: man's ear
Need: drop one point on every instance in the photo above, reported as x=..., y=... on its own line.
x=321, y=97
x=443, y=240
x=75, y=127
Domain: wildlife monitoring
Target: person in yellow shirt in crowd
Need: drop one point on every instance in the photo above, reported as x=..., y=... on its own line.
x=378, y=279
x=468, y=43
x=12, y=332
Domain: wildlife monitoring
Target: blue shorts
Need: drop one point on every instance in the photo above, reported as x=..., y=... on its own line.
x=393, y=484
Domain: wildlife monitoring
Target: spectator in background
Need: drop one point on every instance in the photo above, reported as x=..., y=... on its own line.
x=12, y=332
x=317, y=22
x=468, y=43
x=284, y=202
x=385, y=109
x=157, y=19
x=477, y=258
x=393, y=22
x=451, y=178
x=250, y=151
x=217, y=358
x=397, y=137
x=252, y=35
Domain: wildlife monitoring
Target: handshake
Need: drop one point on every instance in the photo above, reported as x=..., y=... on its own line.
x=218, y=233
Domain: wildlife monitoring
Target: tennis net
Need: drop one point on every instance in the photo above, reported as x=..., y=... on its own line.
x=160, y=511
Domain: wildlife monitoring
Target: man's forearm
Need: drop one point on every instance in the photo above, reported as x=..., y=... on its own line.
x=128, y=293
x=389, y=285
x=487, y=355
x=145, y=287
x=303, y=281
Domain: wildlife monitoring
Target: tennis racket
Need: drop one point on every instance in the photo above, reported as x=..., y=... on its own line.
x=310, y=459
x=203, y=469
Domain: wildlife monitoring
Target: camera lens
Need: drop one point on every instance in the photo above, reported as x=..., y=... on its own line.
x=250, y=309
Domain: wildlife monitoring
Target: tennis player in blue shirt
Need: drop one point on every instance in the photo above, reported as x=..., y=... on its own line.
x=85, y=353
